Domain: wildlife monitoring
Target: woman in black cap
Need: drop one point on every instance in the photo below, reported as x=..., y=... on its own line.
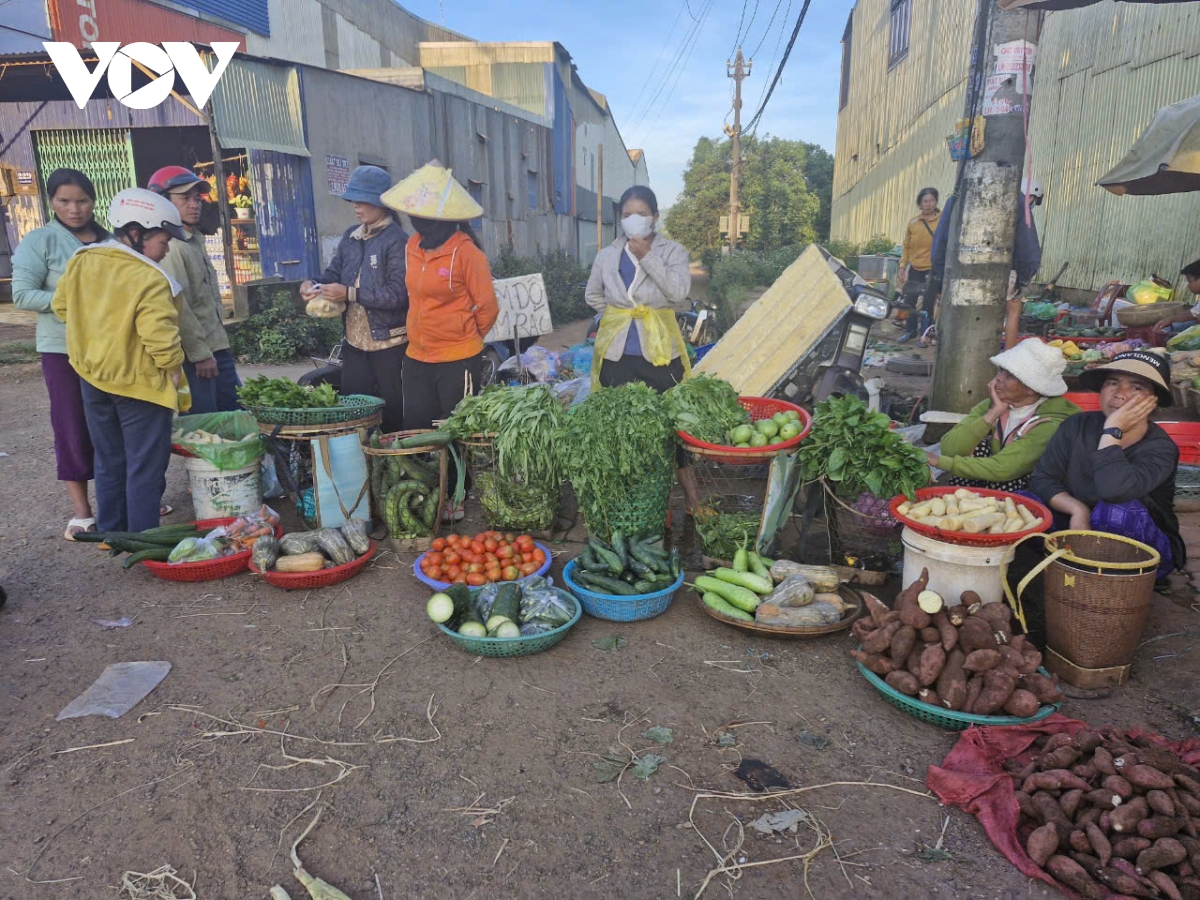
x=1114, y=470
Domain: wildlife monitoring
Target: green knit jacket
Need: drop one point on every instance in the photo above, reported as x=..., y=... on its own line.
x=1007, y=463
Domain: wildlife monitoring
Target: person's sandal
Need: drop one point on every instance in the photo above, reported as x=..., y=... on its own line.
x=165, y=510
x=76, y=526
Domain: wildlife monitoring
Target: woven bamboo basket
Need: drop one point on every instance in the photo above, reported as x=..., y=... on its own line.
x=1137, y=316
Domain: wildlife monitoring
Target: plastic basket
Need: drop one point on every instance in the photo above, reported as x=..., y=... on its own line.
x=1186, y=436
x=642, y=510
x=973, y=540
x=496, y=647
x=350, y=407
x=442, y=585
x=759, y=408
x=205, y=570
x=1148, y=314
x=305, y=581
x=617, y=608
x=1085, y=400
x=949, y=719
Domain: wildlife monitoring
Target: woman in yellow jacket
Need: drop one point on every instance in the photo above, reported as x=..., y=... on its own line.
x=123, y=341
x=915, y=261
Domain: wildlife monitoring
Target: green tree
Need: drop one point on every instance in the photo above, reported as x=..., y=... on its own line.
x=786, y=190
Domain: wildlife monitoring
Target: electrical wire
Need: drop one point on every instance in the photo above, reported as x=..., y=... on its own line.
x=741, y=21
x=750, y=24
x=782, y=63
x=774, y=57
x=689, y=44
x=767, y=30
x=640, y=110
x=658, y=59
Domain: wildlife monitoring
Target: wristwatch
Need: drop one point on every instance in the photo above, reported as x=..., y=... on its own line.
x=1113, y=433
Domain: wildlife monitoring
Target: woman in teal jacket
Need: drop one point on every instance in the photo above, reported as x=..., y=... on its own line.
x=999, y=443
x=39, y=261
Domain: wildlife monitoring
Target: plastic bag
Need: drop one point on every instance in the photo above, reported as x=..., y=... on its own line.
x=793, y=592
x=271, y=488
x=320, y=308
x=484, y=599
x=539, y=362
x=120, y=688
x=242, y=445
x=574, y=391
x=548, y=606
x=199, y=549
x=1150, y=290
x=1186, y=340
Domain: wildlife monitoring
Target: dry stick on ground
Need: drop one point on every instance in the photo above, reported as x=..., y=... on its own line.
x=86, y=812
x=93, y=747
x=430, y=712
x=251, y=730
x=344, y=770
x=366, y=688
x=287, y=825
x=161, y=884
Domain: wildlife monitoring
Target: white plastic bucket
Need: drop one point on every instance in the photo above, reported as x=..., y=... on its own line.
x=218, y=494
x=955, y=568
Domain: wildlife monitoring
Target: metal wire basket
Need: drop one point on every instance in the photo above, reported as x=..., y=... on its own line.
x=865, y=529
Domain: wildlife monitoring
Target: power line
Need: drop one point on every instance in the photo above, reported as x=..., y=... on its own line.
x=741, y=21
x=783, y=62
x=640, y=111
x=749, y=24
x=658, y=59
x=767, y=30
x=775, y=53
x=689, y=42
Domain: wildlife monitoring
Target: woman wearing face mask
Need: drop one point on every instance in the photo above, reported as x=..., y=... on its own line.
x=37, y=265
x=123, y=341
x=638, y=282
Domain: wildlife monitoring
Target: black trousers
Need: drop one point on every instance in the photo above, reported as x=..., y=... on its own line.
x=658, y=378
x=377, y=373
x=432, y=390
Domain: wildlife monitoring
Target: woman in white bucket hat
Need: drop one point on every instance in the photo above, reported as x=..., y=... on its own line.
x=998, y=445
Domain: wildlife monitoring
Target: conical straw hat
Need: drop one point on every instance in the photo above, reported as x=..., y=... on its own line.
x=432, y=193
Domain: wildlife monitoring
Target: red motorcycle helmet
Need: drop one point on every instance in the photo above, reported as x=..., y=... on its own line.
x=176, y=180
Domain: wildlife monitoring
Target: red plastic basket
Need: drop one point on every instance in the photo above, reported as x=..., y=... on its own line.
x=1088, y=401
x=306, y=581
x=209, y=569
x=1186, y=436
x=977, y=540
x=759, y=408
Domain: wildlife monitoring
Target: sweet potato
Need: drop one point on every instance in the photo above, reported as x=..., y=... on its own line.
x=999, y=614
x=1019, y=642
x=1163, y=759
x=1100, y=845
x=873, y=662
x=1062, y=758
x=931, y=635
x=1183, y=812
x=1189, y=802
x=1122, y=879
x=952, y=683
x=1049, y=812
x=1126, y=818
x=1161, y=803
x=912, y=614
x=1078, y=841
x=876, y=607
x=1126, y=760
x=1086, y=772
x=1103, y=761
x=903, y=642
x=1165, y=852
x=1187, y=783
x=862, y=628
x=957, y=615
x=1086, y=741
x=933, y=660
x=904, y=682
x=881, y=640
x=1118, y=786
x=1157, y=827
x=971, y=601
x=974, y=689
x=1070, y=873
x=1042, y=844
x=913, y=664
x=930, y=696
x=1130, y=847
x=981, y=660
x=976, y=634
x=1147, y=777
x=1022, y=704
x=1103, y=799
x=1055, y=780
x=1028, y=810
x=1105, y=820
x=1042, y=687
x=1032, y=661
x=998, y=685
x=1012, y=658
x=1055, y=741
x=947, y=633
x=1163, y=882
x=1088, y=814
x=1070, y=801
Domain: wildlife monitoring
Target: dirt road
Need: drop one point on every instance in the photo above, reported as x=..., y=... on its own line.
x=447, y=776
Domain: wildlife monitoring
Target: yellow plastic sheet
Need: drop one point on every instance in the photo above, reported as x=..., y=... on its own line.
x=660, y=336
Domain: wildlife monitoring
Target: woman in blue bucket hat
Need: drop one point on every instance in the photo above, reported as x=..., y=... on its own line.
x=364, y=284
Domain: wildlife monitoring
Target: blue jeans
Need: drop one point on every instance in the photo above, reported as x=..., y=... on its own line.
x=133, y=447
x=218, y=394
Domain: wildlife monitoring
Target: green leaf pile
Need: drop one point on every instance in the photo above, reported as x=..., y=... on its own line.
x=705, y=407
x=283, y=393
x=856, y=450
x=525, y=420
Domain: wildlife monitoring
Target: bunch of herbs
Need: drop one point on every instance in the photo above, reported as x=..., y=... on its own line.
x=523, y=421
x=283, y=393
x=705, y=407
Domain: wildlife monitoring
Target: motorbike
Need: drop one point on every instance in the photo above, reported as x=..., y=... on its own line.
x=328, y=369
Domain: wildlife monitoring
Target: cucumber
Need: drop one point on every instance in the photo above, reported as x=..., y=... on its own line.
x=741, y=560
x=757, y=566
x=743, y=598
x=603, y=585
x=160, y=554
x=645, y=587
x=473, y=628
x=745, y=579
x=677, y=564
x=638, y=568
x=590, y=562
x=130, y=546
x=651, y=559
x=506, y=629
x=425, y=439
x=620, y=548
x=608, y=557
x=716, y=602
x=440, y=608
x=147, y=538
x=507, y=607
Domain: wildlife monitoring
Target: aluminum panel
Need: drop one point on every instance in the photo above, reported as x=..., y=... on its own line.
x=257, y=106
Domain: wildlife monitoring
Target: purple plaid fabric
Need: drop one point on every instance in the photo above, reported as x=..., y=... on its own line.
x=1132, y=520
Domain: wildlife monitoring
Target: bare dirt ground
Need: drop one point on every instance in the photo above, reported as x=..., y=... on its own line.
x=448, y=776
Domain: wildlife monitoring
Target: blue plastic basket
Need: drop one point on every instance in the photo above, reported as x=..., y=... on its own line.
x=617, y=608
x=497, y=647
x=442, y=585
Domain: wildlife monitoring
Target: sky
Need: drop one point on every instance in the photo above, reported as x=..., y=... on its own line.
x=664, y=100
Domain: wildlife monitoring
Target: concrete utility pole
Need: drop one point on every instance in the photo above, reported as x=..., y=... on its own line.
x=739, y=71
x=983, y=226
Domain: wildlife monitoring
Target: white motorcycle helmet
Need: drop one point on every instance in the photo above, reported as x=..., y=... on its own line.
x=1032, y=188
x=137, y=206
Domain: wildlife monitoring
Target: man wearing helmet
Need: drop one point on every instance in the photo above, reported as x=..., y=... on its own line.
x=123, y=341
x=210, y=365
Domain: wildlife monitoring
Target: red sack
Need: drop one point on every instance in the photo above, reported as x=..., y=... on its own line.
x=972, y=777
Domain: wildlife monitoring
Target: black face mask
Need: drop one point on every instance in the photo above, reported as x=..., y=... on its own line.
x=433, y=233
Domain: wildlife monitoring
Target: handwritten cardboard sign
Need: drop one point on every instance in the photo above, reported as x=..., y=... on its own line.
x=524, y=309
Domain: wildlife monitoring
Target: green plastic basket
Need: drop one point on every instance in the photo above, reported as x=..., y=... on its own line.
x=350, y=408
x=949, y=719
x=643, y=509
x=519, y=646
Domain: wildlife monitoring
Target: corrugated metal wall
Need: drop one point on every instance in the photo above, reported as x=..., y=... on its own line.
x=1102, y=73
x=252, y=14
x=891, y=133
x=257, y=105
x=284, y=213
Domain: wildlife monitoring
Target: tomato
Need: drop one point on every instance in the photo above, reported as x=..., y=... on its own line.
x=494, y=535
x=491, y=557
x=476, y=580
x=451, y=541
x=477, y=547
x=475, y=568
x=492, y=574
x=526, y=557
x=481, y=537
x=439, y=544
x=491, y=545
x=505, y=552
x=460, y=579
x=524, y=539
x=452, y=558
x=452, y=572
x=539, y=557
x=435, y=572
x=434, y=558
x=511, y=573
x=529, y=569
x=509, y=537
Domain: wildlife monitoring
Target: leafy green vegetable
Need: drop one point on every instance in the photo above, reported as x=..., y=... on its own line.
x=282, y=393
x=856, y=450
x=705, y=407
x=659, y=735
x=723, y=532
x=525, y=421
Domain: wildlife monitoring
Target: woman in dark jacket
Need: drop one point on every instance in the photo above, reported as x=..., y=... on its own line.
x=365, y=282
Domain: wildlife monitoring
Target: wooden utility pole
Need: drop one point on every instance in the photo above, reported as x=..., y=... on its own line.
x=600, y=199
x=739, y=71
x=983, y=225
